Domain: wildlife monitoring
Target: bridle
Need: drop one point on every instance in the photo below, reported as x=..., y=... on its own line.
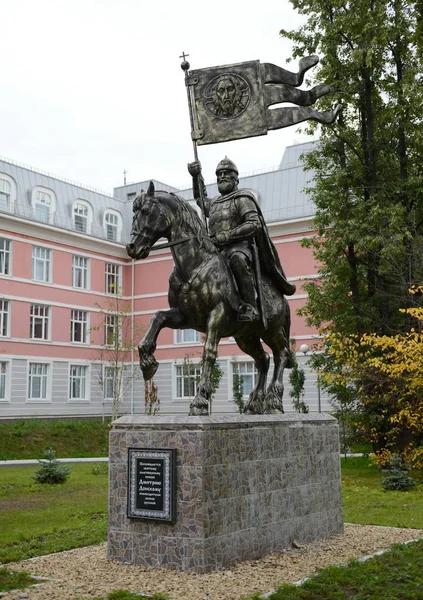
x=167, y=244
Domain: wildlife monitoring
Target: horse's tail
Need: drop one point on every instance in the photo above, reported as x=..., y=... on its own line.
x=287, y=331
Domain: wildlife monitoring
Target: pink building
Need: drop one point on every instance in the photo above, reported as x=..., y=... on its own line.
x=65, y=275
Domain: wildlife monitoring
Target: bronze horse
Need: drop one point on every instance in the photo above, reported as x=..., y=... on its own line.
x=203, y=296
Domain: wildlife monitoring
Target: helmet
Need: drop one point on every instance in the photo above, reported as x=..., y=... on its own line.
x=227, y=164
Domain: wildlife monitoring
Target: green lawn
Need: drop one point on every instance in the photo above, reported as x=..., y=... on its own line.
x=395, y=575
x=367, y=503
x=38, y=519
x=10, y=580
x=70, y=439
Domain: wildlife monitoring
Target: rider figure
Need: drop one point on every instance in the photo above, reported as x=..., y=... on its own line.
x=235, y=224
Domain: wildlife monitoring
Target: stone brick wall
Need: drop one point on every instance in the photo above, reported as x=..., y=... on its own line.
x=246, y=486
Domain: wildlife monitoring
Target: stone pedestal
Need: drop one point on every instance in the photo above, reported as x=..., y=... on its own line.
x=246, y=486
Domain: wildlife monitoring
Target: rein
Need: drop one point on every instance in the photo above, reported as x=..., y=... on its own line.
x=169, y=244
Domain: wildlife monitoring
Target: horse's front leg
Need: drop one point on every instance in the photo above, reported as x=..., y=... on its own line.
x=163, y=318
x=200, y=404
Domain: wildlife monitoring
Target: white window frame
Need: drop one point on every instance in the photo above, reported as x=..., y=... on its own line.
x=4, y=316
x=105, y=379
x=113, y=271
x=5, y=256
x=118, y=225
x=45, y=321
x=87, y=383
x=79, y=317
x=252, y=373
x=47, y=263
x=12, y=190
x=6, y=377
x=180, y=336
x=39, y=196
x=76, y=206
x=178, y=374
x=48, y=396
x=80, y=272
x=112, y=325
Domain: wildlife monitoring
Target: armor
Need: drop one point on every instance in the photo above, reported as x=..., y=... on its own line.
x=223, y=216
x=235, y=221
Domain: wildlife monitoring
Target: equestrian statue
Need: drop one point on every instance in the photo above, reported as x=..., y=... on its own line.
x=226, y=283
x=227, y=279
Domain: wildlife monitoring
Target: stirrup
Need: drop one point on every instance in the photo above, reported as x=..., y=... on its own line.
x=248, y=313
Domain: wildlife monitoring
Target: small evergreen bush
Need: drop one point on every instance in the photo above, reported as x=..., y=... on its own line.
x=237, y=392
x=398, y=479
x=297, y=381
x=52, y=470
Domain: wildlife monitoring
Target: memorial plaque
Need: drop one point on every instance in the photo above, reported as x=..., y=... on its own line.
x=152, y=484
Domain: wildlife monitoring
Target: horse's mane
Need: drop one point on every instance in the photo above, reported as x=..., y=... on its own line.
x=188, y=219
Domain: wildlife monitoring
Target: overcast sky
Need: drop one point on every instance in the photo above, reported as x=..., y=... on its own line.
x=92, y=87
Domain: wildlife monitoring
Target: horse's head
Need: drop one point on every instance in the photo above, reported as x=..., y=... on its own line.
x=148, y=225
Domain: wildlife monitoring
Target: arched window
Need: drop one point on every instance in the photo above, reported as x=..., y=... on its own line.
x=4, y=194
x=82, y=216
x=43, y=204
x=7, y=192
x=112, y=224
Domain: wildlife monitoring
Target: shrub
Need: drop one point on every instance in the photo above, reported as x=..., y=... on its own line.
x=398, y=479
x=52, y=471
x=100, y=469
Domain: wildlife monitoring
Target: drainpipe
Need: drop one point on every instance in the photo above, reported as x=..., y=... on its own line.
x=132, y=335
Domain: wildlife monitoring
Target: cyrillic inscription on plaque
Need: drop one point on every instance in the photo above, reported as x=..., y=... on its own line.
x=152, y=484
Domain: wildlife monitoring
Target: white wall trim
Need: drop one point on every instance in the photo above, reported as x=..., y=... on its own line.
x=37, y=342
x=84, y=307
x=53, y=234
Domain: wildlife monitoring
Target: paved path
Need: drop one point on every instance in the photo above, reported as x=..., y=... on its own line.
x=23, y=463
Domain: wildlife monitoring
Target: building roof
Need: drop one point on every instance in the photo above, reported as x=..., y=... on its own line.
x=281, y=190
x=281, y=193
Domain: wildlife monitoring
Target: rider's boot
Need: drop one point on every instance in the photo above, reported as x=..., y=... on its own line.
x=243, y=277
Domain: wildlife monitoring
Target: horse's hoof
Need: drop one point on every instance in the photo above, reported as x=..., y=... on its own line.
x=255, y=405
x=273, y=411
x=149, y=367
x=252, y=410
x=198, y=410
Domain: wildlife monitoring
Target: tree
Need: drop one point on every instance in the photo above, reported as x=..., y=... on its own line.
x=151, y=397
x=238, y=396
x=118, y=334
x=390, y=372
x=368, y=188
x=297, y=381
x=52, y=470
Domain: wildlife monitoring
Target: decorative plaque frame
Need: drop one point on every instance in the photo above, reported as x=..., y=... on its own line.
x=152, y=484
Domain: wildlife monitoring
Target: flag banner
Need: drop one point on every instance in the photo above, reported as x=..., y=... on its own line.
x=228, y=102
x=232, y=102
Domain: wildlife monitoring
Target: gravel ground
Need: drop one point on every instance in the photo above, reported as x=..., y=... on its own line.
x=86, y=572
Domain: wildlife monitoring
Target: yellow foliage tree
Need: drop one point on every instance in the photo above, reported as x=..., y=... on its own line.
x=389, y=370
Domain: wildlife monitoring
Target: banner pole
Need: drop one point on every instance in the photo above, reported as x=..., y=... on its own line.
x=185, y=67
